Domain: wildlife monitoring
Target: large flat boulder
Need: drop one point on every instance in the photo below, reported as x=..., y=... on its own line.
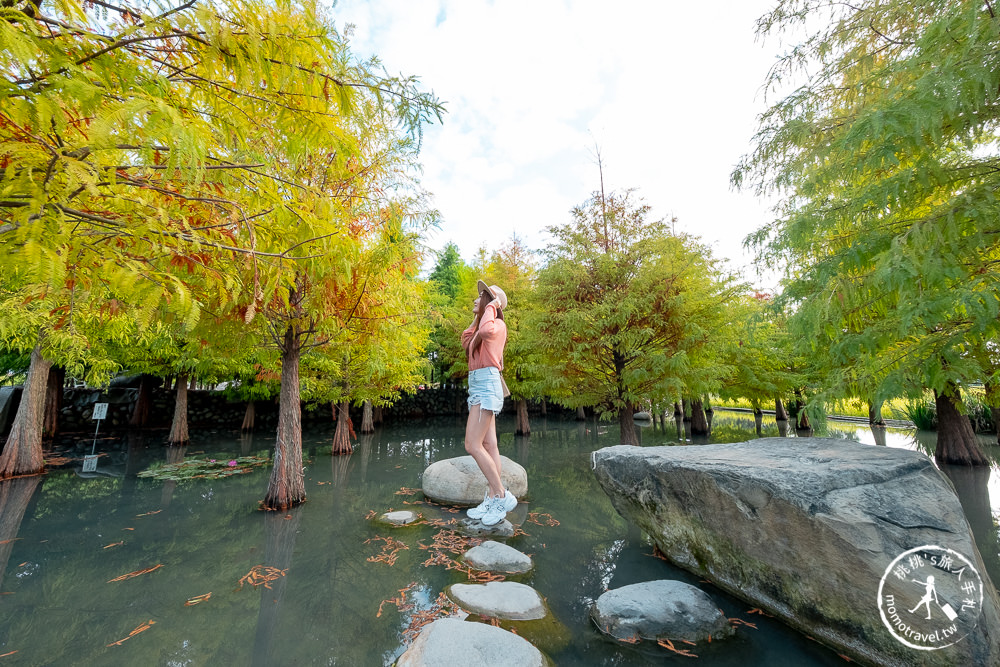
x=460, y=481
x=837, y=539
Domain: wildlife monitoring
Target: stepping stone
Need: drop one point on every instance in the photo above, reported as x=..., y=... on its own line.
x=662, y=609
x=475, y=528
x=449, y=642
x=460, y=481
x=500, y=599
x=496, y=557
x=397, y=518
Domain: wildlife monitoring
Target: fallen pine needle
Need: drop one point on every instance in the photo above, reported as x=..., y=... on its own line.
x=537, y=518
x=6, y=654
x=13, y=539
x=669, y=645
x=740, y=621
x=262, y=575
x=114, y=544
x=390, y=551
x=148, y=513
x=197, y=599
x=142, y=628
x=136, y=573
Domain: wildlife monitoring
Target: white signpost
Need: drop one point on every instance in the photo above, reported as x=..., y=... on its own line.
x=90, y=460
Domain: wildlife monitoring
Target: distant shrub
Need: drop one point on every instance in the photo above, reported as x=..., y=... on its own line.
x=922, y=414
x=979, y=413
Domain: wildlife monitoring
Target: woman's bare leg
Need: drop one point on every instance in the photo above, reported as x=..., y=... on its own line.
x=480, y=423
x=490, y=445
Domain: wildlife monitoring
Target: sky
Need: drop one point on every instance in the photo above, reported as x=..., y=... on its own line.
x=668, y=91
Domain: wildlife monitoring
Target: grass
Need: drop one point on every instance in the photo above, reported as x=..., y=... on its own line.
x=919, y=411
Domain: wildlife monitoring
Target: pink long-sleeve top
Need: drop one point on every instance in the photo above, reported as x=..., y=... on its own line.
x=494, y=335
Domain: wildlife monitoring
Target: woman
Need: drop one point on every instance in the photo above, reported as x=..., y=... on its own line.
x=483, y=342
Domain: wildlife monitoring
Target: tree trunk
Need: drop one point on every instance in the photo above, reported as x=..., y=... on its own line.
x=22, y=454
x=249, y=417
x=678, y=411
x=685, y=409
x=377, y=416
x=287, y=486
x=875, y=413
x=758, y=420
x=581, y=414
x=367, y=424
x=956, y=441
x=179, y=428
x=627, y=427
x=801, y=418
x=15, y=496
x=699, y=422
x=545, y=407
x=53, y=401
x=143, y=402
x=522, y=427
x=345, y=431
x=194, y=384
x=779, y=410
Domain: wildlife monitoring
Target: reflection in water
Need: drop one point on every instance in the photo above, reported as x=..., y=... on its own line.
x=783, y=428
x=878, y=433
x=522, y=446
x=15, y=495
x=246, y=441
x=758, y=422
x=175, y=454
x=972, y=486
x=280, y=530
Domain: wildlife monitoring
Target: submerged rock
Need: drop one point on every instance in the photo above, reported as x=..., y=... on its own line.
x=663, y=609
x=476, y=528
x=397, y=518
x=499, y=599
x=496, y=557
x=812, y=530
x=449, y=642
x=459, y=481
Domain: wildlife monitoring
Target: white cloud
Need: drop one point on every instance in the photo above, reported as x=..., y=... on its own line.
x=668, y=90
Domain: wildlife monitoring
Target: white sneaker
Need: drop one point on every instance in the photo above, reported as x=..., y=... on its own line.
x=479, y=510
x=495, y=511
x=509, y=501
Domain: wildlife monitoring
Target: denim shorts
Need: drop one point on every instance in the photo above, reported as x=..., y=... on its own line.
x=485, y=390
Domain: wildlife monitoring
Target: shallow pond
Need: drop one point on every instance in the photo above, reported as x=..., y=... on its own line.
x=116, y=569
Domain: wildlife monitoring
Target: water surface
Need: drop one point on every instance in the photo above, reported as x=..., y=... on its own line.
x=65, y=538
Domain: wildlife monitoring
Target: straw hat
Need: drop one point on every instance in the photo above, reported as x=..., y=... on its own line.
x=495, y=292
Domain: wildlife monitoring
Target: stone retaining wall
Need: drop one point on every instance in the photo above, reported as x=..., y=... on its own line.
x=212, y=409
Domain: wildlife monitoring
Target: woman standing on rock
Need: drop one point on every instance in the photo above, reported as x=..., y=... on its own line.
x=483, y=342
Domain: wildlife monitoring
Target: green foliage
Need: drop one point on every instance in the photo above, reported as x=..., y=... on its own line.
x=147, y=169
x=885, y=159
x=452, y=291
x=626, y=310
x=922, y=414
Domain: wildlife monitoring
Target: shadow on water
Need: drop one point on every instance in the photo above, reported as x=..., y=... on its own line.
x=65, y=542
